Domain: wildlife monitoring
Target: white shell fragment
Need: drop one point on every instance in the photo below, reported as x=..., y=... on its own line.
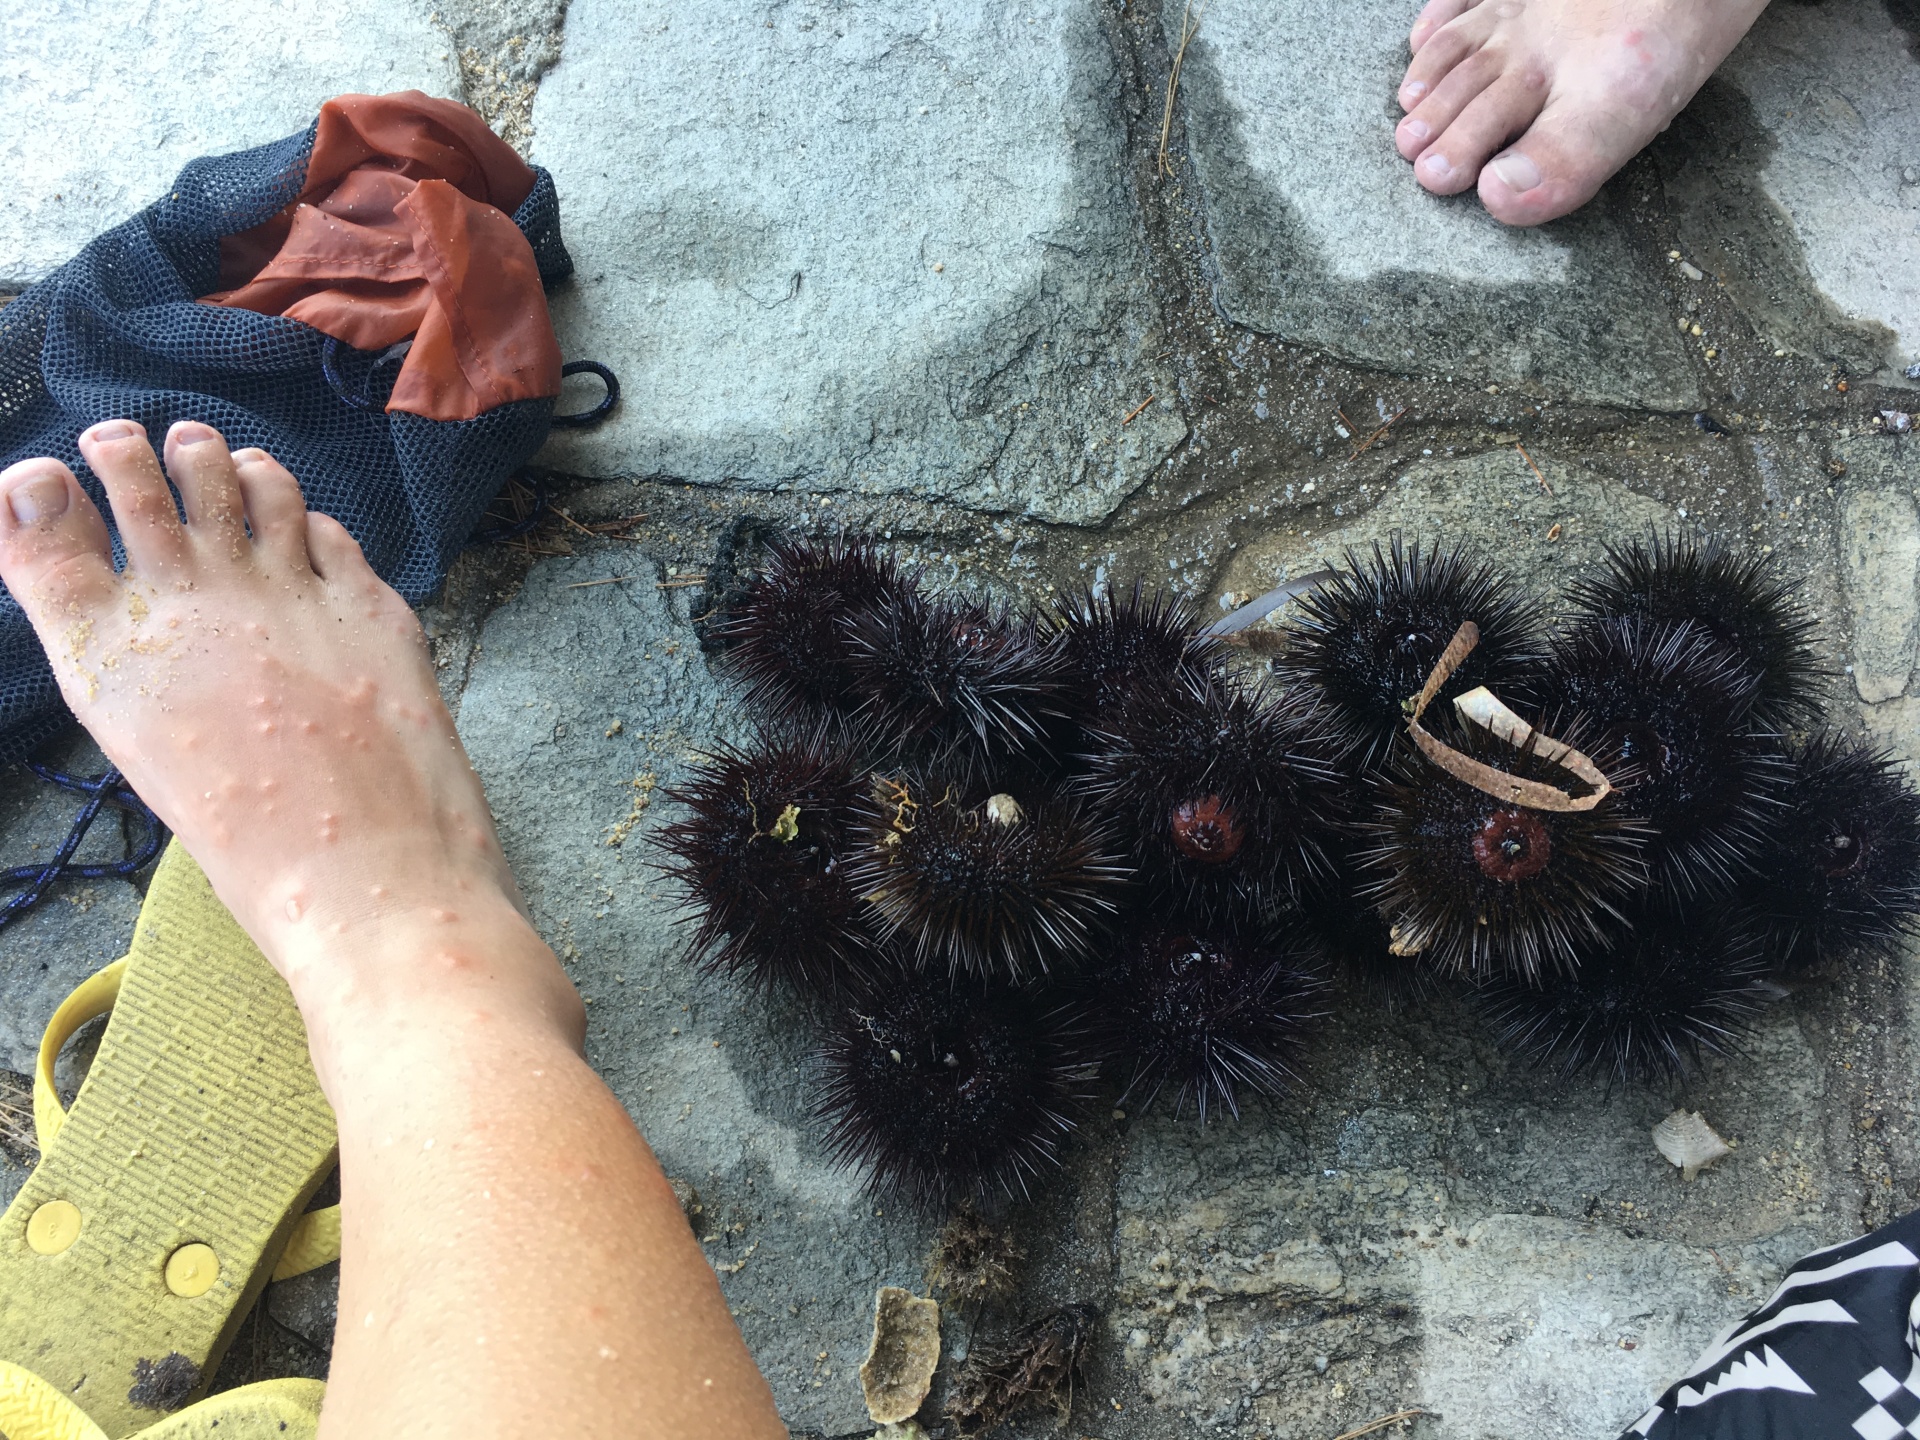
x=1686, y=1139
x=1004, y=810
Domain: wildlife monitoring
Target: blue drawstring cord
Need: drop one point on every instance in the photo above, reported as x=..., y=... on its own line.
x=109, y=788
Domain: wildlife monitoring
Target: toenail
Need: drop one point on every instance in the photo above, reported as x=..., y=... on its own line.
x=1436, y=166
x=192, y=432
x=1414, y=89
x=1416, y=129
x=39, y=498
x=114, y=430
x=1515, y=170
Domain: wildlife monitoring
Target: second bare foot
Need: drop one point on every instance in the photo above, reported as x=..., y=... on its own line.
x=1539, y=102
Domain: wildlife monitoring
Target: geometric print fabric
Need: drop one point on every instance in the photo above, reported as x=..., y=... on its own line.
x=1834, y=1354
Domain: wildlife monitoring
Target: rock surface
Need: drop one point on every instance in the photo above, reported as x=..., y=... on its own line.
x=1321, y=235
x=928, y=280
x=1827, y=84
x=107, y=99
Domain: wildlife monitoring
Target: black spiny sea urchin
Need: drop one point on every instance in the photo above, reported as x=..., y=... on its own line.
x=1843, y=872
x=1668, y=989
x=1208, y=1015
x=944, y=1094
x=933, y=675
x=1232, y=796
x=1118, y=649
x=1336, y=922
x=1481, y=886
x=1005, y=885
x=1368, y=638
x=788, y=637
x=1672, y=709
x=762, y=856
x=1739, y=599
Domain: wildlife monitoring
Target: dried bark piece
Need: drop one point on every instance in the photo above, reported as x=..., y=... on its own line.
x=898, y=1370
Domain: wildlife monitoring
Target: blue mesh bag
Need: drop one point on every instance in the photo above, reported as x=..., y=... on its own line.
x=118, y=332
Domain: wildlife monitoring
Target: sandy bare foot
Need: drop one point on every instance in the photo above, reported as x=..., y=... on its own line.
x=264, y=691
x=1541, y=101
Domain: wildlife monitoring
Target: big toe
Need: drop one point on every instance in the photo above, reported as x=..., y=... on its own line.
x=1550, y=171
x=54, y=554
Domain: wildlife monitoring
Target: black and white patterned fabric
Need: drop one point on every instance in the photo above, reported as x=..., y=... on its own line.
x=1833, y=1355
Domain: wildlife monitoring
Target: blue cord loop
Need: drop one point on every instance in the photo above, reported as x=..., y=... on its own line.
x=109, y=788
x=363, y=398
x=607, y=401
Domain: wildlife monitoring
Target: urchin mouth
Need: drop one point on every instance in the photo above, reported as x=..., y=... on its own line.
x=1207, y=830
x=1512, y=845
x=1843, y=854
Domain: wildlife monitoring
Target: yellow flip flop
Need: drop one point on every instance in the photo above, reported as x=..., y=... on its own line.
x=170, y=1193
x=31, y=1409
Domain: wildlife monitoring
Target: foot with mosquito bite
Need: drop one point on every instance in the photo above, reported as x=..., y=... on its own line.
x=271, y=698
x=1539, y=102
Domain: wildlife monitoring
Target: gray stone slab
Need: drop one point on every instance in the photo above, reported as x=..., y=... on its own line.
x=1831, y=86
x=1879, y=551
x=582, y=706
x=1322, y=236
x=1433, y=1227
x=1539, y=534
x=107, y=99
x=845, y=247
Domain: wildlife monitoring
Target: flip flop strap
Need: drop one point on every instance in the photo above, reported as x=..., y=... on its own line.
x=315, y=1240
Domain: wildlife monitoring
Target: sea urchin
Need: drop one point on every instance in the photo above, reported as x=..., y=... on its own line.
x=943, y=1094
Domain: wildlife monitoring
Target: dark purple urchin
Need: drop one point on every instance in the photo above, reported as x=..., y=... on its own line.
x=762, y=856
x=1480, y=886
x=1672, y=710
x=1231, y=796
x=932, y=675
x=1117, y=649
x=1842, y=874
x=1665, y=991
x=1740, y=600
x=1368, y=638
x=787, y=638
x=946, y=1094
x=1209, y=1015
x=991, y=883
x=1335, y=922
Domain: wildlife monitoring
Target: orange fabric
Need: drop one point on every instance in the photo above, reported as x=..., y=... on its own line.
x=404, y=229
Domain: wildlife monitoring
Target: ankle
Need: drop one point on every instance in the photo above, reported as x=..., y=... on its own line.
x=427, y=977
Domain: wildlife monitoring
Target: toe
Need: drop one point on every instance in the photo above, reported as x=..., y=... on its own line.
x=1548, y=172
x=197, y=460
x=336, y=556
x=1436, y=14
x=1439, y=53
x=1452, y=163
x=276, y=511
x=54, y=554
x=150, y=528
x=1459, y=88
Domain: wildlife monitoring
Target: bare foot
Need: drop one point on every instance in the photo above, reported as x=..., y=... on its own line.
x=1541, y=101
x=268, y=695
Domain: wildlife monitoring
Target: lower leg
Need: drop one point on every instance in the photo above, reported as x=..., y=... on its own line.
x=513, y=1262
